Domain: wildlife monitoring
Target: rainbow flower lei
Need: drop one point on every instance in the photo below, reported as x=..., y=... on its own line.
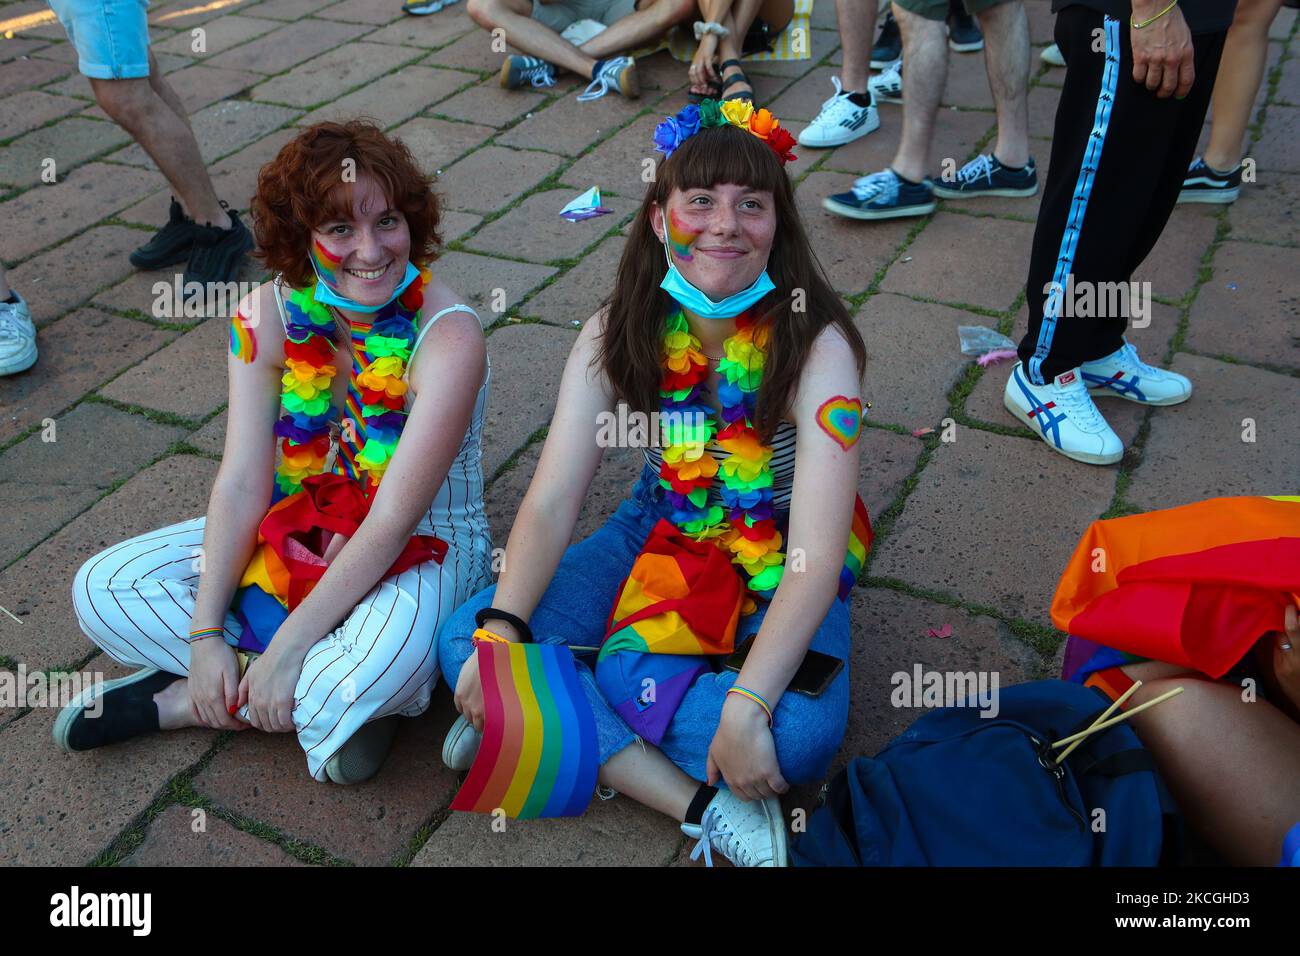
x=674, y=130
x=304, y=429
x=744, y=523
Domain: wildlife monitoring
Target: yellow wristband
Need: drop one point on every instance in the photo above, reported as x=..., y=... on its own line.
x=482, y=634
x=1146, y=23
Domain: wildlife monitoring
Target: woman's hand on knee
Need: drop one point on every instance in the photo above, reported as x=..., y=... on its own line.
x=469, y=693
x=743, y=753
x=214, y=684
x=1286, y=656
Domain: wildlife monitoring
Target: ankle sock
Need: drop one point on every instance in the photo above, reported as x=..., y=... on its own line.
x=701, y=800
x=904, y=179
x=595, y=70
x=860, y=99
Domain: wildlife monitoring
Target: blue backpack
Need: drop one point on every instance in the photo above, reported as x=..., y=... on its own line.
x=958, y=789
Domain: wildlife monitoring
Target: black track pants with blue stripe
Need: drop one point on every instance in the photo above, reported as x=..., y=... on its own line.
x=1119, y=155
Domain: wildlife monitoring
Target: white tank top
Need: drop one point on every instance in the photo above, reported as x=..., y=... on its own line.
x=456, y=514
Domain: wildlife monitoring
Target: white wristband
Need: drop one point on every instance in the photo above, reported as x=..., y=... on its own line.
x=702, y=28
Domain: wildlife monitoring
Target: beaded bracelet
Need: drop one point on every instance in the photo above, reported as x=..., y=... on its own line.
x=701, y=28
x=203, y=633
x=483, y=634
x=746, y=692
x=1146, y=23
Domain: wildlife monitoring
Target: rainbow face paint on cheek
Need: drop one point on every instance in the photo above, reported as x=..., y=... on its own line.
x=327, y=264
x=680, y=237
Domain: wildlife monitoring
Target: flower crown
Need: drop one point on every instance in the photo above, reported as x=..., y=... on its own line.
x=675, y=130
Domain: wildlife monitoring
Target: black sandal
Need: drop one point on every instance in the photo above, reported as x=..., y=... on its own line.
x=714, y=92
x=737, y=77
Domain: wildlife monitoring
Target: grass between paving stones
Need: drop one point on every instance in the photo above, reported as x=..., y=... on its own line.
x=422, y=835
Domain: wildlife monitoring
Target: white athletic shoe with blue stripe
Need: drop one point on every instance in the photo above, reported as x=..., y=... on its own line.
x=1064, y=415
x=1123, y=375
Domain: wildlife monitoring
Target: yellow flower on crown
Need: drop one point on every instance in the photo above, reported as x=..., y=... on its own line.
x=738, y=112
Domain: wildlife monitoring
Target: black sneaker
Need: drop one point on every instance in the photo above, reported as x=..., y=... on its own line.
x=1203, y=184
x=218, y=253
x=889, y=45
x=122, y=709
x=964, y=34
x=170, y=244
x=985, y=176
x=883, y=195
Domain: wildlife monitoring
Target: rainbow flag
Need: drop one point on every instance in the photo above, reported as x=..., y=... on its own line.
x=860, y=536
x=1194, y=586
x=538, y=757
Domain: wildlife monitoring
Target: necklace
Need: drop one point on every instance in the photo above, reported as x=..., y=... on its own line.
x=744, y=524
x=376, y=392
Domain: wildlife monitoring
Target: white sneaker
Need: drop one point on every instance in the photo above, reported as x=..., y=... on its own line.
x=1052, y=55
x=1125, y=375
x=840, y=121
x=1064, y=415
x=17, y=336
x=746, y=833
x=461, y=746
x=887, y=85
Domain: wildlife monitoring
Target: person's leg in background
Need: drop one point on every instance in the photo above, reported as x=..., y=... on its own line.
x=648, y=21
x=903, y=188
x=850, y=113
x=1241, y=70
x=776, y=13
x=1006, y=57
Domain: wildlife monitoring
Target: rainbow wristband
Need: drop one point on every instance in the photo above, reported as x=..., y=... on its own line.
x=746, y=692
x=202, y=633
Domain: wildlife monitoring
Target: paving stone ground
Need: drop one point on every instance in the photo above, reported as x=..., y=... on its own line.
x=118, y=429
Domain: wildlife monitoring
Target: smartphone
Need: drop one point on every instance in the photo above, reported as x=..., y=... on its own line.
x=813, y=676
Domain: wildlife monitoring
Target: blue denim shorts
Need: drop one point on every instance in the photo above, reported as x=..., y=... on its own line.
x=111, y=36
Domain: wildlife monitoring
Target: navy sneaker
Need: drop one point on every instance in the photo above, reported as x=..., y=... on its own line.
x=112, y=712
x=883, y=195
x=1203, y=184
x=889, y=45
x=985, y=176
x=517, y=70
x=964, y=34
x=170, y=244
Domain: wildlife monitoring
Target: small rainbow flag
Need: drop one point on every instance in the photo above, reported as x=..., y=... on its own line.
x=539, y=756
x=1195, y=585
x=860, y=536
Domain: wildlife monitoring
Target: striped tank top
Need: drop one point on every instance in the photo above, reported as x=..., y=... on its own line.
x=783, y=443
x=456, y=514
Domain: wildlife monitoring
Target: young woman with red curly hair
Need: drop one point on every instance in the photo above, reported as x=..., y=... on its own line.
x=332, y=379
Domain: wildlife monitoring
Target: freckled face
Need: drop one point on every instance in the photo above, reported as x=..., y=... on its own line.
x=363, y=257
x=719, y=238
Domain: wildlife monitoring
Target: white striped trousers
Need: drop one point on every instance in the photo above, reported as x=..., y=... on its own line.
x=135, y=601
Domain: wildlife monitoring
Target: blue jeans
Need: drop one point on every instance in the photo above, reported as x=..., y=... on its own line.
x=576, y=605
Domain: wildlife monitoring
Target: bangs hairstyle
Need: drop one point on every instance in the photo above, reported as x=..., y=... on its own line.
x=303, y=188
x=631, y=350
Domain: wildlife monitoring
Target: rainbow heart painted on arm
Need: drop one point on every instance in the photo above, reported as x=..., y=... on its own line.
x=680, y=237
x=243, y=344
x=841, y=418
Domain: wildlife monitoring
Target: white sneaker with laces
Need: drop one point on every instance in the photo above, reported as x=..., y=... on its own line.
x=1123, y=375
x=748, y=833
x=1064, y=416
x=17, y=336
x=840, y=121
x=887, y=85
x=461, y=746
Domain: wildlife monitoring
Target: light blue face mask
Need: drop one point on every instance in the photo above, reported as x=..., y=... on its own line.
x=693, y=300
x=327, y=296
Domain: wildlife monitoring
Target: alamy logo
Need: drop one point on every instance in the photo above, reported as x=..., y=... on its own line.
x=922, y=688
x=103, y=909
